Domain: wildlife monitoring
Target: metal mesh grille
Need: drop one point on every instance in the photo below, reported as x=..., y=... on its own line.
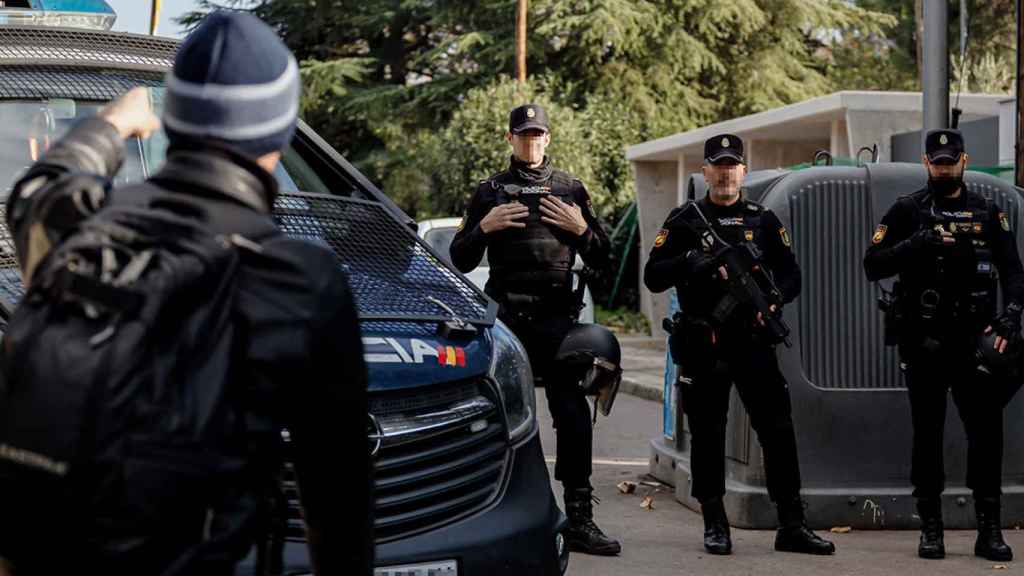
x=65, y=47
x=34, y=82
x=11, y=287
x=393, y=274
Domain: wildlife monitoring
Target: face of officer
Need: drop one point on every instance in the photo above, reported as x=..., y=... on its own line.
x=530, y=145
x=725, y=178
x=946, y=177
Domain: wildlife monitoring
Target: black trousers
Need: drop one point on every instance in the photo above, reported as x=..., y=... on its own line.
x=541, y=335
x=754, y=370
x=930, y=377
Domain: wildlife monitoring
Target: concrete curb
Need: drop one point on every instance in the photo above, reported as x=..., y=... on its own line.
x=634, y=388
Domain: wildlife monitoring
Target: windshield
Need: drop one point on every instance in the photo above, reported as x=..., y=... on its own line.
x=440, y=239
x=29, y=128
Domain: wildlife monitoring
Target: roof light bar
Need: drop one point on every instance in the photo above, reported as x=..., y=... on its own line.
x=87, y=14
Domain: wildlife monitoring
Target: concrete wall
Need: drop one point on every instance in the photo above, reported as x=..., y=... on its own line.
x=981, y=139
x=771, y=154
x=1007, y=131
x=658, y=188
x=867, y=128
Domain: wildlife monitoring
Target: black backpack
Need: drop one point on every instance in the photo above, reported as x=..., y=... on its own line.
x=120, y=436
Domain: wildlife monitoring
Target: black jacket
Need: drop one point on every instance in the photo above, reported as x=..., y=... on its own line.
x=983, y=237
x=744, y=221
x=304, y=367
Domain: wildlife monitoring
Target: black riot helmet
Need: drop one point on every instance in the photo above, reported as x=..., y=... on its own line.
x=1004, y=367
x=592, y=353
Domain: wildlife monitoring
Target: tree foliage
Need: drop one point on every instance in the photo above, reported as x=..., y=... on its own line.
x=416, y=92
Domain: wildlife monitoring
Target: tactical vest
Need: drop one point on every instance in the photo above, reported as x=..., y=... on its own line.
x=961, y=287
x=535, y=260
x=743, y=227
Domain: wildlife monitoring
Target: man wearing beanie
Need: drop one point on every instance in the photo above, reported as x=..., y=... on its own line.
x=231, y=109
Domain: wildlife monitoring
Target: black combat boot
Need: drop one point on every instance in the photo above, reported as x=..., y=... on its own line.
x=990, y=543
x=583, y=535
x=932, y=545
x=794, y=535
x=717, y=538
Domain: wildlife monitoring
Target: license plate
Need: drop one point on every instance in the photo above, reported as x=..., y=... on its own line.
x=446, y=568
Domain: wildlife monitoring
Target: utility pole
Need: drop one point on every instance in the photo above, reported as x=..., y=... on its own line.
x=1019, y=151
x=154, y=16
x=936, y=65
x=521, y=11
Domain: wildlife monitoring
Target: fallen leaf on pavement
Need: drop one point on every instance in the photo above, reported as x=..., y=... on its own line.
x=999, y=567
x=627, y=487
x=840, y=529
x=648, y=503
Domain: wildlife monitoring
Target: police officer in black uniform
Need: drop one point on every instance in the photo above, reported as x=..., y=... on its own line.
x=947, y=243
x=733, y=349
x=532, y=220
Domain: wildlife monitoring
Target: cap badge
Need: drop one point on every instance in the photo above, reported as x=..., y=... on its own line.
x=725, y=142
x=530, y=114
x=943, y=140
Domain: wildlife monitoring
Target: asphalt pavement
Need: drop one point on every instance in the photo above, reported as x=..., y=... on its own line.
x=665, y=539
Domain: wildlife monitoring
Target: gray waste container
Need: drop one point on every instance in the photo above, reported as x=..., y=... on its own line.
x=850, y=408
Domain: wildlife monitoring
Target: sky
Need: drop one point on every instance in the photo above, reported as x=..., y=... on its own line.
x=133, y=16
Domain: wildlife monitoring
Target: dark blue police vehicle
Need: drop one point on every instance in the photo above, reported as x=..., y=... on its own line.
x=461, y=483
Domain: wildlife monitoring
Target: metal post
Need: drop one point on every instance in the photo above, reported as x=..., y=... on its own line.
x=1019, y=151
x=936, y=65
x=521, y=12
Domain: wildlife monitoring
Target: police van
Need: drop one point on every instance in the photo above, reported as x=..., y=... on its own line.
x=462, y=487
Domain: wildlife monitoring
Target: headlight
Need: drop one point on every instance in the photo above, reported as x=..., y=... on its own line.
x=510, y=368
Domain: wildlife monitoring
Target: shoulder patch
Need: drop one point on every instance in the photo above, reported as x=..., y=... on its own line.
x=1004, y=221
x=661, y=237
x=879, y=233
x=784, y=234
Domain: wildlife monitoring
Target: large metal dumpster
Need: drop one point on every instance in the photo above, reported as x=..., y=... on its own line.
x=850, y=409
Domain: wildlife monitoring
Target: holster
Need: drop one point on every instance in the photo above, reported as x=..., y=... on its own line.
x=692, y=344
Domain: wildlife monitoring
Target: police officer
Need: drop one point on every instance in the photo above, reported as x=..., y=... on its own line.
x=532, y=220
x=230, y=110
x=733, y=348
x=947, y=243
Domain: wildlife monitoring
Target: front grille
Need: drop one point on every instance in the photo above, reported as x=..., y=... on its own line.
x=428, y=476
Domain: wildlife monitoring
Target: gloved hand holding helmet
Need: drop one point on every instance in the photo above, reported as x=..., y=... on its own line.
x=999, y=349
x=592, y=352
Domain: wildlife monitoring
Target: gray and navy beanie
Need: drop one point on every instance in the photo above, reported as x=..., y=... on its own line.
x=236, y=82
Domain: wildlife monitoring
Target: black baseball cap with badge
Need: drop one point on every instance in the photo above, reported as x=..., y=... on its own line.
x=943, y=146
x=528, y=117
x=724, y=149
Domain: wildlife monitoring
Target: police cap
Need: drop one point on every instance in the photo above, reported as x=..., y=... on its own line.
x=527, y=117
x=723, y=147
x=943, y=146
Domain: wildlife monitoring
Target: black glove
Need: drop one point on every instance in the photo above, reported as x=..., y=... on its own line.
x=925, y=239
x=699, y=263
x=1007, y=324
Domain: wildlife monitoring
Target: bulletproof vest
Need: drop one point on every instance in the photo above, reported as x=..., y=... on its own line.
x=537, y=259
x=961, y=282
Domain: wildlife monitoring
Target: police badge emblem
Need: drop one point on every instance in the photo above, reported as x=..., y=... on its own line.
x=879, y=234
x=660, y=238
x=530, y=113
x=725, y=142
x=943, y=140
x=748, y=235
